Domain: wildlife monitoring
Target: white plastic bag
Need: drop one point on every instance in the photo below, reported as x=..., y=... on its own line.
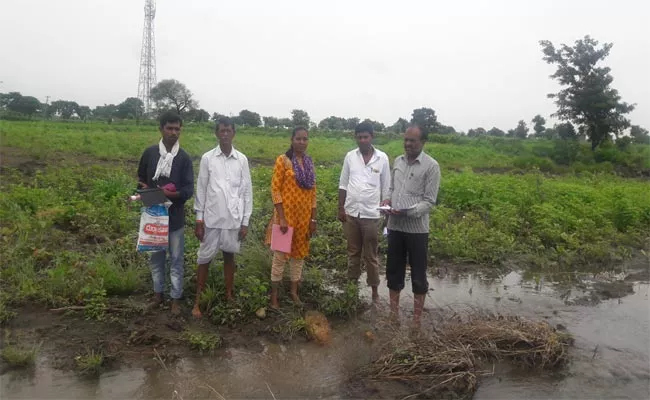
x=154, y=229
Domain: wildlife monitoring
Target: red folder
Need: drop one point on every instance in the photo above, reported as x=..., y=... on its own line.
x=281, y=241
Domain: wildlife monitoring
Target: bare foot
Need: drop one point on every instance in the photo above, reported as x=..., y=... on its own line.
x=196, y=312
x=155, y=302
x=230, y=299
x=275, y=305
x=375, y=295
x=296, y=299
x=176, y=307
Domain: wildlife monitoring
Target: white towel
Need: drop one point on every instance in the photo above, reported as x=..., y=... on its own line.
x=164, y=167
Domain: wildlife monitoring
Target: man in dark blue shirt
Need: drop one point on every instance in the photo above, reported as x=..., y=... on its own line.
x=168, y=166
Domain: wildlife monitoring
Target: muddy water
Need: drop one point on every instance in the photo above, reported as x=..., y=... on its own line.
x=610, y=359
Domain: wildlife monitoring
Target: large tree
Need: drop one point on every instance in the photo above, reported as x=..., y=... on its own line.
x=7, y=98
x=587, y=99
x=131, y=107
x=285, y=123
x=351, y=123
x=521, y=131
x=496, y=132
x=538, y=126
x=27, y=105
x=271, y=122
x=300, y=118
x=399, y=126
x=84, y=112
x=639, y=134
x=197, y=115
x=107, y=111
x=64, y=108
x=566, y=131
x=250, y=118
x=171, y=94
x=426, y=119
x=476, y=132
x=333, y=123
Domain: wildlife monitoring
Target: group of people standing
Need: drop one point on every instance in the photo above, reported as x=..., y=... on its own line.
x=370, y=192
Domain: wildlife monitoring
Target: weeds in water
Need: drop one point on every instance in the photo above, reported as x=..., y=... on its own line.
x=90, y=363
x=18, y=357
x=5, y=313
x=290, y=326
x=343, y=304
x=202, y=341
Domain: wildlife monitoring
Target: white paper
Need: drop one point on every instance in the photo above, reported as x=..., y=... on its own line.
x=384, y=208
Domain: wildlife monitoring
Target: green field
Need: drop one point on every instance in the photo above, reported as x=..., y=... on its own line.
x=68, y=236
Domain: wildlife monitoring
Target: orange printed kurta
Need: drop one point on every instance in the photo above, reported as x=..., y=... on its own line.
x=297, y=204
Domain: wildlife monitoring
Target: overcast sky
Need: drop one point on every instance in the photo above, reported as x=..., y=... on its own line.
x=477, y=63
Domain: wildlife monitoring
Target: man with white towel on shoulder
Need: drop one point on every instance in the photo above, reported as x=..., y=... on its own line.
x=167, y=166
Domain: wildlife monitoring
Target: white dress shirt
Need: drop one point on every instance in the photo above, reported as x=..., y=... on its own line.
x=366, y=184
x=224, y=191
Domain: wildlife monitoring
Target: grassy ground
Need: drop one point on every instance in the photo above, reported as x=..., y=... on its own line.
x=68, y=236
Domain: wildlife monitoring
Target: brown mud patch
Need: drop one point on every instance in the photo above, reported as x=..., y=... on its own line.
x=131, y=335
x=29, y=162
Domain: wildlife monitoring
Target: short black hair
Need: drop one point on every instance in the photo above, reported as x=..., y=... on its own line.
x=365, y=127
x=170, y=116
x=423, y=135
x=225, y=121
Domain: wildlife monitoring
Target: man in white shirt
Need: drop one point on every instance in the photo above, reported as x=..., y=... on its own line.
x=363, y=185
x=223, y=205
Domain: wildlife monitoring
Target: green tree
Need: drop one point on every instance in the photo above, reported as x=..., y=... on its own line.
x=105, y=112
x=197, y=115
x=250, y=118
x=538, y=126
x=333, y=123
x=426, y=119
x=521, y=131
x=83, y=112
x=496, y=132
x=271, y=122
x=587, y=100
x=446, y=130
x=171, y=94
x=476, y=132
x=131, y=108
x=566, y=131
x=7, y=98
x=285, y=122
x=399, y=126
x=300, y=118
x=351, y=123
x=63, y=108
x=639, y=134
x=27, y=105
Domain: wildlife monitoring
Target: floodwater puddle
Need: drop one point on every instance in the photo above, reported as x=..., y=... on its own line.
x=610, y=357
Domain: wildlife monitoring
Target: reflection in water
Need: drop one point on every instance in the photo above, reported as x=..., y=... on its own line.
x=611, y=356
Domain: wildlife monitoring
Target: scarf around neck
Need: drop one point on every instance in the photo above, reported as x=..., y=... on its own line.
x=164, y=167
x=304, y=175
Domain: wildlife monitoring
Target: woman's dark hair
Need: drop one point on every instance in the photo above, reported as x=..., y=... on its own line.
x=289, y=153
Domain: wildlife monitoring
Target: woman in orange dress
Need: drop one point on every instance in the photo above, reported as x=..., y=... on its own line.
x=293, y=188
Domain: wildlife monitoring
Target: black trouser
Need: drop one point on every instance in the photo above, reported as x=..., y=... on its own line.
x=415, y=246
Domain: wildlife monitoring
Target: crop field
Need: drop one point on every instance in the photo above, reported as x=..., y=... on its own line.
x=68, y=234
